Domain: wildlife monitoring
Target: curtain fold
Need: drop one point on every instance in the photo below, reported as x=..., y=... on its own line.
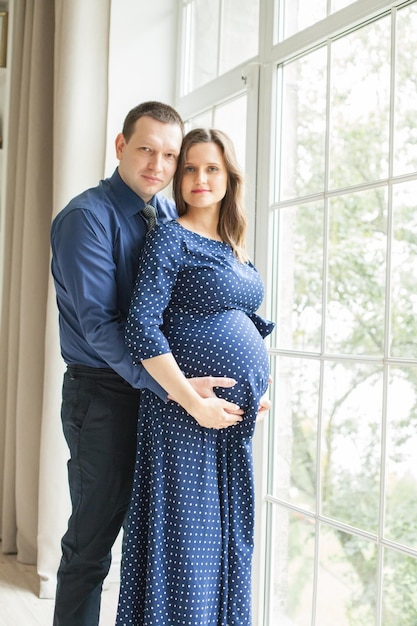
x=56, y=148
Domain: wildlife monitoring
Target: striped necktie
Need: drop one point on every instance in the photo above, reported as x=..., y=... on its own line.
x=149, y=214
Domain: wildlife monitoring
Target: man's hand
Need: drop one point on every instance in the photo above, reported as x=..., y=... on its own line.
x=201, y=402
x=264, y=406
x=216, y=413
x=204, y=386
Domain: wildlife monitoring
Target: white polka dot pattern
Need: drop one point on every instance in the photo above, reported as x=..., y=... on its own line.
x=189, y=542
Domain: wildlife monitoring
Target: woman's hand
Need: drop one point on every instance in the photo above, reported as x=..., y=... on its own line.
x=204, y=386
x=216, y=413
x=209, y=411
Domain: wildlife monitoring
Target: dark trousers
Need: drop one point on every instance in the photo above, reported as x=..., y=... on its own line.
x=99, y=418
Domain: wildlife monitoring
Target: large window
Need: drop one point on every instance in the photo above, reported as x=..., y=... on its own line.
x=342, y=483
x=326, y=131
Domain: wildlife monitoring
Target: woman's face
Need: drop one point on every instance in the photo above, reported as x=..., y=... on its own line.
x=204, y=180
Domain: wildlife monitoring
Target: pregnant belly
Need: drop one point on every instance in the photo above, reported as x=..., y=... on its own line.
x=223, y=344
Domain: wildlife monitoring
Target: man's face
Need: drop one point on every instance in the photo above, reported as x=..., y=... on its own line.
x=147, y=162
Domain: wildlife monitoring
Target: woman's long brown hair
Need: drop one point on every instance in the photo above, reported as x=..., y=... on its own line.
x=232, y=219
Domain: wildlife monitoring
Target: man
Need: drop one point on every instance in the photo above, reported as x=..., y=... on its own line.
x=96, y=242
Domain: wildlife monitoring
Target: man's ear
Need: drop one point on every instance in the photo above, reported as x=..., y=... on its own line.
x=120, y=143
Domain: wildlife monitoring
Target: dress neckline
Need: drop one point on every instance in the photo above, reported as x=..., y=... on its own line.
x=193, y=232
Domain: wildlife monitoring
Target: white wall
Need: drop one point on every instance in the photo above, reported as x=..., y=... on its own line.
x=142, y=60
x=142, y=65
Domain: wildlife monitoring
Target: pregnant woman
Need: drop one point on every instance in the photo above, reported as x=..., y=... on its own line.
x=189, y=538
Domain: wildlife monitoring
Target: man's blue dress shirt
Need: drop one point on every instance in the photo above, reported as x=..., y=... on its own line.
x=96, y=242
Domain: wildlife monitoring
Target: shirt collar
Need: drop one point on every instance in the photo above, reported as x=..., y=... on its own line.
x=128, y=200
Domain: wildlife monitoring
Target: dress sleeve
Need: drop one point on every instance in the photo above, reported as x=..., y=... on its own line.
x=158, y=269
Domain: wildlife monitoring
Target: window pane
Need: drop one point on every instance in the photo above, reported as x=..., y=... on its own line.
x=297, y=15
x=292, y=569
x=405, y=138
x=230, y=117
x=239, y=39
x=359, y=107
x=297, y=282
x=401, y=481
x=204, y=120
x=340, y=4
x=404, y=272
x=302, y=132
x=347, y=584
x=217, y=37
x=201, y=56
x=399, y=598
x=294, y=438
x=350, y=443
x=356, y=266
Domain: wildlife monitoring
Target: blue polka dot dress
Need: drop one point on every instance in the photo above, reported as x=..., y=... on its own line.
x=189, y=538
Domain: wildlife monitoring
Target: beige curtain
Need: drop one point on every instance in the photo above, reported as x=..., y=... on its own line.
x=26, y=255
x=56, y=149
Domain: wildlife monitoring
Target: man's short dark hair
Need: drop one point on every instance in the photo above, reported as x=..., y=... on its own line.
x=157, y=110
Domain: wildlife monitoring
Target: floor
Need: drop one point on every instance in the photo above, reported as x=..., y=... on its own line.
x=20, y=604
